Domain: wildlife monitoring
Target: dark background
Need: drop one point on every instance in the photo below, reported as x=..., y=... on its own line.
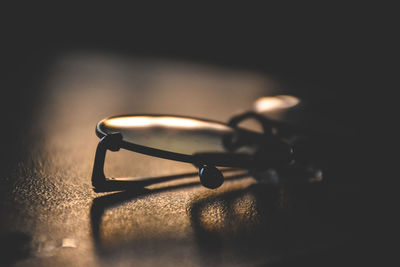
x=316, y=51
x=326, y=51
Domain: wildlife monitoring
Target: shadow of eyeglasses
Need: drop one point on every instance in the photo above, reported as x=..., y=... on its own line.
x=101, y=204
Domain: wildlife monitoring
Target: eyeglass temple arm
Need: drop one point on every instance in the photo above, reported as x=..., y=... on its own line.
x=209, y=175
x=99, y=182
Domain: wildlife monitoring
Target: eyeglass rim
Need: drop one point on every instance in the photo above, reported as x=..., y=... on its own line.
x=235, y=160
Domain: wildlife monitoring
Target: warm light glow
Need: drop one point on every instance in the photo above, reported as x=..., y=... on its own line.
x=275, y=103
x=160, y=121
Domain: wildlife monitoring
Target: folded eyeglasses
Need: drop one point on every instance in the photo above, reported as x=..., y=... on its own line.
x=204, y=143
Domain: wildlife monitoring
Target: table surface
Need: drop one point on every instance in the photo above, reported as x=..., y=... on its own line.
x=52, y=217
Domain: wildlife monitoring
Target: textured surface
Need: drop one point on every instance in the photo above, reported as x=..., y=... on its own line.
x=51, y=216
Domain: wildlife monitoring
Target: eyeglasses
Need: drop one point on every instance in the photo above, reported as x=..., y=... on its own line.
x=206, y=144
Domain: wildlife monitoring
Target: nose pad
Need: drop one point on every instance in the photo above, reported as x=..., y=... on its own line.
x=210, y=177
